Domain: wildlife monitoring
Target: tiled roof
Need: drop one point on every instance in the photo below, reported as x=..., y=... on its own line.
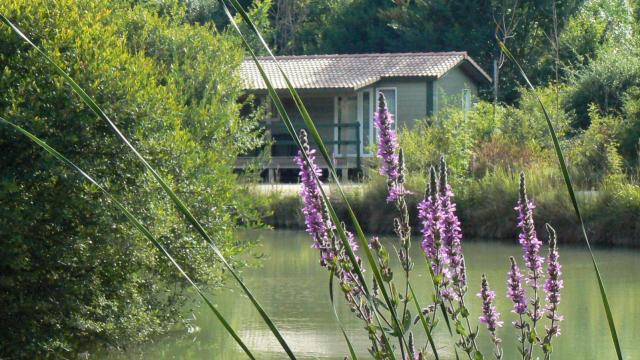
x=354, y=71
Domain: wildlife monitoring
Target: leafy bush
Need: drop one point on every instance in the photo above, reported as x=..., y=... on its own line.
x=480, y=140
x=604, y=82
x=594, y=152
x=172, y=88
x=597, y=24
x=525, y=122
x=452, y=132
x=630, y=134
x=501, y=153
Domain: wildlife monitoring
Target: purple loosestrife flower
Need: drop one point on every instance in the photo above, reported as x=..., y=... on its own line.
x=515, y=291
x=428, y=216
x=317, y=223
x=396, y=191
x=490, y=317
x=346, y=264
x=333, y=253
x=388, y=142
x=352, y=242
x=553, y=284
x=392, y=162
x=348, y=278
x=528, y=237
x=530, y=247
x=462, y=272
x=450, y=232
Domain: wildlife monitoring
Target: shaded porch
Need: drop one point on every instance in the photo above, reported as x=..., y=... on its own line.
x=341, y=122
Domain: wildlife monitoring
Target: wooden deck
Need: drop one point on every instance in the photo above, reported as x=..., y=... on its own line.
x=283, y=148
x=287, y=162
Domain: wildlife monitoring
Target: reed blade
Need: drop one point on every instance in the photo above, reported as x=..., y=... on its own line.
x=424, y=324
x=352, y=353
x=574, y=202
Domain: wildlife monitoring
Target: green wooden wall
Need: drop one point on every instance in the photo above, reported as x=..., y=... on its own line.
x=449, y=88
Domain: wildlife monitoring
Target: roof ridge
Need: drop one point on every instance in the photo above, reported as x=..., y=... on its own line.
x=361, y=55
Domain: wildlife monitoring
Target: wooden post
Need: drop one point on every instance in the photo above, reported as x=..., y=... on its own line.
x=358, y=165
x=495, y=88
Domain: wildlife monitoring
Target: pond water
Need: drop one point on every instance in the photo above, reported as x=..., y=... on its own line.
x=293, y=290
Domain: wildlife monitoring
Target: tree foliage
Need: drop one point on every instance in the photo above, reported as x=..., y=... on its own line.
x=365, y=26
x=73, y=272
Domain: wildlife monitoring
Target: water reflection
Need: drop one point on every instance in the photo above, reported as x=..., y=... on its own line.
x=293, y=289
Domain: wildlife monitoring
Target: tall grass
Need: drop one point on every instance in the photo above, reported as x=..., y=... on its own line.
x=486, y=211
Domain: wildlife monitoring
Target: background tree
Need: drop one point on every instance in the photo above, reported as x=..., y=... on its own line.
x=287, y=17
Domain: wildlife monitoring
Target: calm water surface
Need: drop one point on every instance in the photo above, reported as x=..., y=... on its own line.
x=293, y=289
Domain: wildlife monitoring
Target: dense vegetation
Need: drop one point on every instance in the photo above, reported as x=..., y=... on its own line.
x=166, y=72
x=594, y=101
x=537, y=37
x=73, y=273
x=487, y=150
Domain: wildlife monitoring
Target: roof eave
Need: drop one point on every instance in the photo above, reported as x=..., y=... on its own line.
x=303, y=90
x=474, y=70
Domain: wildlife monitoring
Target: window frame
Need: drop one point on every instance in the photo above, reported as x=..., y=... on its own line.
x=369, y=129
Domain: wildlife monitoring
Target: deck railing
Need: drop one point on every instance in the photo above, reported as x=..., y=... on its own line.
x=283, y=144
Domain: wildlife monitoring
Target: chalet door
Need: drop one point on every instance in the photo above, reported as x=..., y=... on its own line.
x=346, y=132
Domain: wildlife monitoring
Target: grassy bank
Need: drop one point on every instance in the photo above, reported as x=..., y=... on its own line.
x=485, y=207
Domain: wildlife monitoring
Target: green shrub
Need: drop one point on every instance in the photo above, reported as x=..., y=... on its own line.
x=486, y=207
x=525, y=123
x=73, y=272
x=452, y=132
x=592, y=151
x=480, y=140
x=502, y=153
x=597, y=24
x=604, y=82
x=630, y=134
